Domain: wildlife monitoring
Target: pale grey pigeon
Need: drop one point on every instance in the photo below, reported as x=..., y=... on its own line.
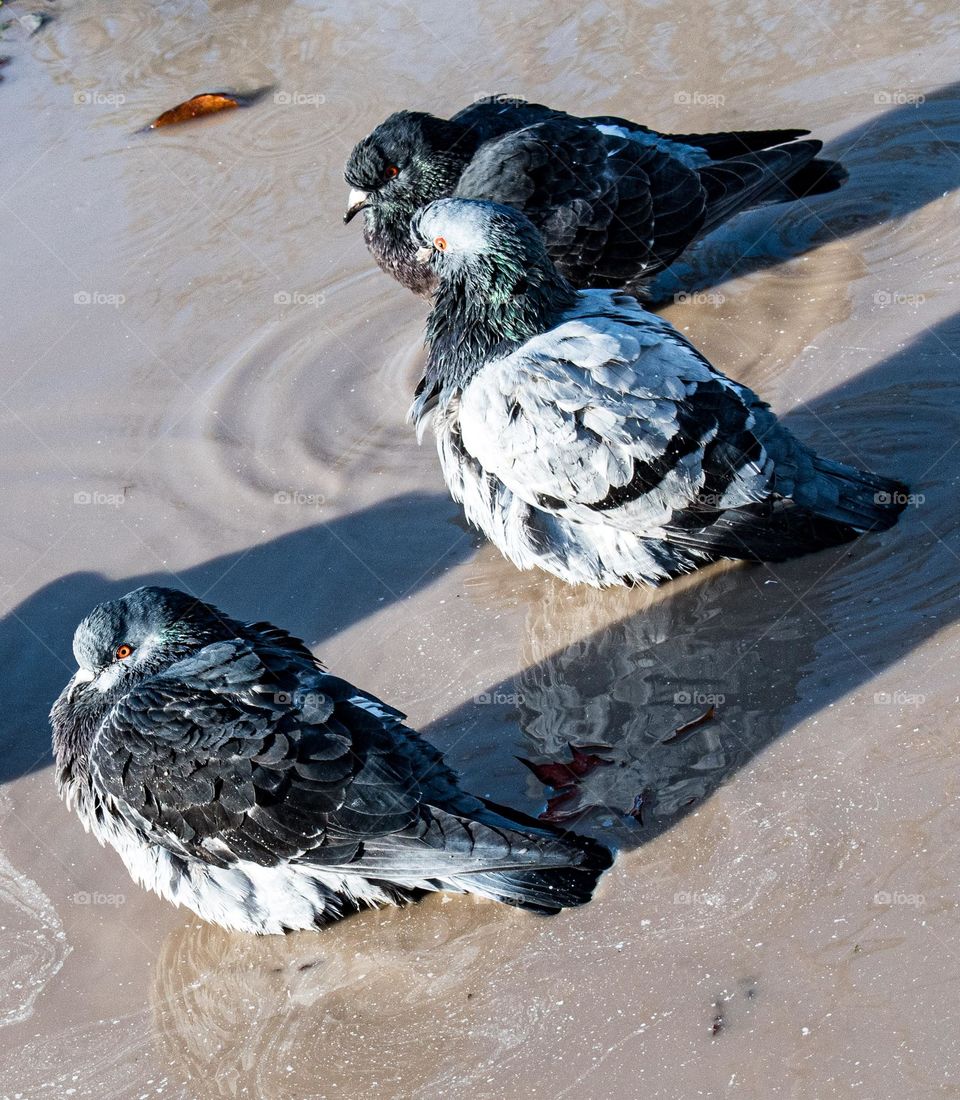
x=586, y=436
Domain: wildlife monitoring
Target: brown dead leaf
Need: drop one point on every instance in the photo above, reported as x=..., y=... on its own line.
x=564, y=777
x=563, y=806
x=207, y=103
x=688, y=727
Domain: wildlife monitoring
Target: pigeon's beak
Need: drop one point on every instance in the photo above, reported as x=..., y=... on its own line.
x=356, y=201
x=82, y=676
x=423, y=254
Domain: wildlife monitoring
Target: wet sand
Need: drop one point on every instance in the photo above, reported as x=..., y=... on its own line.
x=204, y=383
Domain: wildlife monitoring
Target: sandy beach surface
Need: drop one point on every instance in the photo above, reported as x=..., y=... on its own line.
x=204, y=381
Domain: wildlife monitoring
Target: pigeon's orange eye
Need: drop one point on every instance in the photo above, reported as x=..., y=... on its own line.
x=391, y=171
x=440, y=243
x=124, y=651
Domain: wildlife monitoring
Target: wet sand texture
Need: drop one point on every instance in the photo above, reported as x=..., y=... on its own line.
x=204, y=383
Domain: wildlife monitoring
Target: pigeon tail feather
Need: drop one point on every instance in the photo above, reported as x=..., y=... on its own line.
x=844, y=504
x=539, y=889
x=722, y=146
x=865, y=500
x=782, y=174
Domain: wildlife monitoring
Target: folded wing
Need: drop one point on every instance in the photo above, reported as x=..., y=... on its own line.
x=610, y=209
x=252, y=752
x=613, y=418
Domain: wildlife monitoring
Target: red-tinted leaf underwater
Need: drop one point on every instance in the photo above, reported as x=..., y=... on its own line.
x=563, y=806
x=688, y=727
x=559, y=774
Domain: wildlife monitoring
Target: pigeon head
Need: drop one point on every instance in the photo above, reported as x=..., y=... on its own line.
x=119, y=644
x=497, y=286
x=145, y=631
x=492, y=243
x=406, y=162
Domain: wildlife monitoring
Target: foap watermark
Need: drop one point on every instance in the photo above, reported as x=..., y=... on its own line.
x=506, y=99
x=295, y=698
x=699, y=99
x=299, y=99
x=314, y=706
x=897, y=298
x=700, y=297
x=99, y=99
x=699, y=898
x=298, y=298
x=501, y=698
x=699, y=698
x=897, y=496
x=96, y=897
x=898, y=98
x=712, y=500
x=897, y=897
x=300, y=498
x=98, y=499
x=899, y=698
x=98, y=298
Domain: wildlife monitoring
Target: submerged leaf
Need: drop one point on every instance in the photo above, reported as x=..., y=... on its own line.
x=688, y=727
x=563, y=806
x=564, y=777
x=556, y=775
x=559, y=774
x=583, y=763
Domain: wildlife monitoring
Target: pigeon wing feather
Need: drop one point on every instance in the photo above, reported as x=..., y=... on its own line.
x=235, y=753
x=612, y=417
x=609, y=208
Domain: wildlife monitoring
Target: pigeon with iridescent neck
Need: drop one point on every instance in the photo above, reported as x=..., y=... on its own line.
x=586, y=436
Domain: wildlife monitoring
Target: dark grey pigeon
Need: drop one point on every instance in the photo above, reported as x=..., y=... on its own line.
x=586, y=436
x=235, y=776
x=615, y=201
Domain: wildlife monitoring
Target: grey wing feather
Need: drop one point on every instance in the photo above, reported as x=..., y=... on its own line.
x=610, y=209
x=611, y=415
x=239, y=753
x=235, y=754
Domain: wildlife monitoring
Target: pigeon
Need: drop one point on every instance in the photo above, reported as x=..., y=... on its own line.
x=615, y=201
x=237, y=777
x=584, y=435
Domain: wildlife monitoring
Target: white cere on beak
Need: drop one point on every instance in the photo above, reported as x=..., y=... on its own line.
x=356, y=201
x=81, y=676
